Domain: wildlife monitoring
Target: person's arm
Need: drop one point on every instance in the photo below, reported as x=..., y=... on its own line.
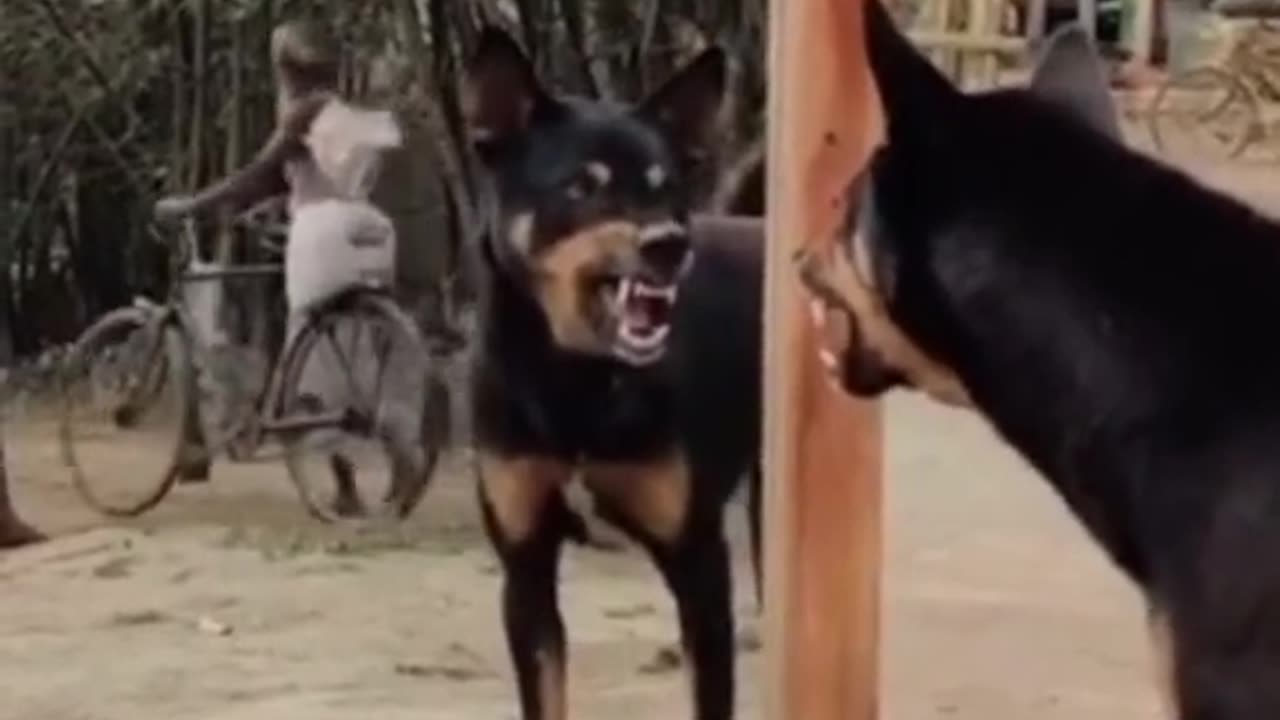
x=263, y=177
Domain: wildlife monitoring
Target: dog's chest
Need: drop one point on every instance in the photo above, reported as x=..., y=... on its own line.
x=615, y=416
x=572, y=407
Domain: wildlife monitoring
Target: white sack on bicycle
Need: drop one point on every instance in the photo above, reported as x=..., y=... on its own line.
x=335, y=245
x=344, y=242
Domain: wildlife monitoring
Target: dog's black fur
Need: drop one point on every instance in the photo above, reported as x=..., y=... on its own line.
x=582, y=196
x=740, y=190
x=1109, y=316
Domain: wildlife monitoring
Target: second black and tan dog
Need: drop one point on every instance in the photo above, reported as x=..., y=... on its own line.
x=620, y=346
x=1109, y=316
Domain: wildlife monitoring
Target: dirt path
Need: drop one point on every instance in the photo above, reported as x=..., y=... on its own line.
x=996, y=607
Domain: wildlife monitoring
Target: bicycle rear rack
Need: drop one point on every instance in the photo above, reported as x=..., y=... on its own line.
x=349, y=420
x=229, y=272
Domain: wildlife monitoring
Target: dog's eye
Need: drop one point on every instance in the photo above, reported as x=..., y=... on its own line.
x=589, y=179
x=579, y=187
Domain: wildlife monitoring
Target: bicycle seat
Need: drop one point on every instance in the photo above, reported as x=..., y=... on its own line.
x=1248, y=9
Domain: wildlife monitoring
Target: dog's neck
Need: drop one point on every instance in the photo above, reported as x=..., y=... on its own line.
x=509, y=314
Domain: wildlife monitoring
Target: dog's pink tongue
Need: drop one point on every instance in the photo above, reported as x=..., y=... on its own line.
x=641, y=312
x=644, y=310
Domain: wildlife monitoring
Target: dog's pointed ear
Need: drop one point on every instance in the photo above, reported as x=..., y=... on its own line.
x=501, y=93
x=1069, y=75
x=688, y=105
x=912, y=91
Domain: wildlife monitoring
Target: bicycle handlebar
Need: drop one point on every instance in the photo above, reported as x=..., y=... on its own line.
x=267, y=232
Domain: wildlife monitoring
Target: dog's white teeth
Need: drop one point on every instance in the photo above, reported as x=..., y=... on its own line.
x=660, y=335
x=647, y=339
x=663, y=292
x=623, y=292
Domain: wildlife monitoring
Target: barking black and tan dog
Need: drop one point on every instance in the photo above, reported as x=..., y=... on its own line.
x=1101, y=311
x=620, y=347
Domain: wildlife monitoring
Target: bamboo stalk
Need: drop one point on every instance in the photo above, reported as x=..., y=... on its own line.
x=976, y=42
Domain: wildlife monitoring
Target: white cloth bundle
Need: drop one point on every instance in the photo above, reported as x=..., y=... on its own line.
x=335, y=245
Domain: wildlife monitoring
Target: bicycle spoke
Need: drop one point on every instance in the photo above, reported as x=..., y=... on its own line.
x=124, y=407
x=342, y=359
x=383, y=354
x=355, y=338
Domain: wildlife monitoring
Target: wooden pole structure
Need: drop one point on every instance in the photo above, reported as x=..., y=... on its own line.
x=1087, y=14
x=984, y=22
x=1037, y=19
x=822, y=448
x=1142, y=30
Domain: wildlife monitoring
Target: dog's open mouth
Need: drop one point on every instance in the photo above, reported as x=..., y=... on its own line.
x=641, y=310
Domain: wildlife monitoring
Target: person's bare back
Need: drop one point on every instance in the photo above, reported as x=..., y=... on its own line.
x=321, y=149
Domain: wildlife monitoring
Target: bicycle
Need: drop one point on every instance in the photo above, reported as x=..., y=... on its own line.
x=1227, y=103
x=153, y=361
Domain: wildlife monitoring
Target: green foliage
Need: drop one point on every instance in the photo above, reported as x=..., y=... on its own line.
x=107, y=104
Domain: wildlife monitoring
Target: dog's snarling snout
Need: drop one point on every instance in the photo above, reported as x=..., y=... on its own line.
x=611, y=288
x=665, y=249
x=874, y=354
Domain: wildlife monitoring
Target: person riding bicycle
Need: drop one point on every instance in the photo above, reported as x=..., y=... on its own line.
x=323, y=158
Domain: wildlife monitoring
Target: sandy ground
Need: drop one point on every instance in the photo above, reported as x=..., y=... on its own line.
x=995, y=605
x=227, y=603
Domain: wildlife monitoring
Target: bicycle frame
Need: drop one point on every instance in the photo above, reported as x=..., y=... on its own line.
x=175, y=313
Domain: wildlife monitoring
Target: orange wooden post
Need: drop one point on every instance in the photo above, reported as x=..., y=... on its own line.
x=822, y=449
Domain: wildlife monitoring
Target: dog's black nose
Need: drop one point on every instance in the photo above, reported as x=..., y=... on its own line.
x=666, y=255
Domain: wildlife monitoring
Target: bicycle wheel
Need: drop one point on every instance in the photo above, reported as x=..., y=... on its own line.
x=360, y=359
x=125, y=388
x=1206, y=112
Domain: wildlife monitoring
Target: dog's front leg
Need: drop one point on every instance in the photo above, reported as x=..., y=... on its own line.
x=656, y=502
x=527, y=519
x=697, y=572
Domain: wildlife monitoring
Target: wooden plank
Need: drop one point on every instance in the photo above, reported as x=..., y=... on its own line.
x=981, y=66
x=822, y=449
x=1087, y=15
x=1142, y=31
x=1037, y=19
x=939, y=21
x=969, y=43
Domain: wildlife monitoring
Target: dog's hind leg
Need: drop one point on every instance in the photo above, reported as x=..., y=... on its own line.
x=1226, y=686
x=527, y=520
x=654, y=502
x=1220, y=604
